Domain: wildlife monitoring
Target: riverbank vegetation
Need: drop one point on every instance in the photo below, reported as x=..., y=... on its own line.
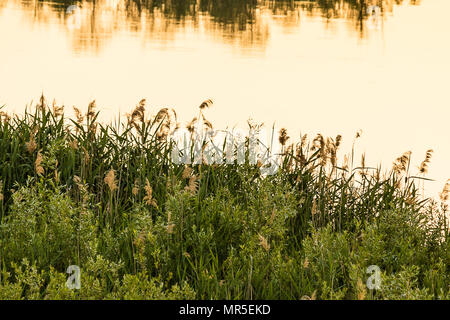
x=108, y=199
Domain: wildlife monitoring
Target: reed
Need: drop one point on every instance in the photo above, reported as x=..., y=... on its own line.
x=108, y=197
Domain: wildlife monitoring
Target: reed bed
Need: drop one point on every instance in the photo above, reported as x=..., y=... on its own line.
x=109, y=199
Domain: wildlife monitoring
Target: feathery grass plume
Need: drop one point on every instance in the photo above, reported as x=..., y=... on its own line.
x=191, y=125
x=58, y=111
x=401, y=164
x=360, y=290
x=56, y=176
x=207, y=124
x=137, y=116
x=110, y=180
x=37, y=164
x=306, y=263
x=283, y=138
x=79, y=115
x=1, y=191
x=206, y=104
x=192, y=185
x=362, y=171
x=338, y=141
x=148, y=198
x=319, y=144
x=444, y=195
x=345, y=163
x=263, y=242
x=165, y=122
x=423, y=168
x=91, y=109
x=31, y=144
x=314, y=208
x=41, y=106
x=272, y=216
x=73, y=144
x=86, y=157
x=170, y=225
x=4, y=117
x=186, y=172
x=299, y=155
x=136, y=187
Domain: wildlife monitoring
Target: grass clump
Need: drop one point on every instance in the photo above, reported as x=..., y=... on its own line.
x=109, y=199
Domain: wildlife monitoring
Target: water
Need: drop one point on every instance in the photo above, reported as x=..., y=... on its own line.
x=322, y=66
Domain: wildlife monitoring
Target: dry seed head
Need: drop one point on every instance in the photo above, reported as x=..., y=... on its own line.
x=31, y=145
x=306, y=263
x=263, y=242
x=314, y=208
x=361, y=290
x=283, y=138
x=110, y=180
x=423, y=168
x=206, y=104
x=444, y=195
x=91, y=109
x=401, y=163
x=78, y=115
x=186, y=172
x=86, y=156
x=37, y=164
x=170, y=225
x=272, y=216
x=191, y=125
x=4, y=116
x=192, y=185
x=73, y=144
x=57, y=110
x=135, y=189
x=148, y=198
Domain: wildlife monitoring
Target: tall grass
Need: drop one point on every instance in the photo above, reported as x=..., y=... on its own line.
x=109, y=199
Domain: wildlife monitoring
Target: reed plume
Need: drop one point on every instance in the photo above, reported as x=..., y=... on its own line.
x=31, y=144
x=37, y=164
x=136, y=187
x=263, y=242
x=110, y=180
x=283, y=138
x=148, y=198
x=206, y=104
x=58, y=111
x=423, y=168
x=170, y=225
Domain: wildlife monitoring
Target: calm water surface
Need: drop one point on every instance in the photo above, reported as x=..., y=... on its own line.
x=310, y=66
